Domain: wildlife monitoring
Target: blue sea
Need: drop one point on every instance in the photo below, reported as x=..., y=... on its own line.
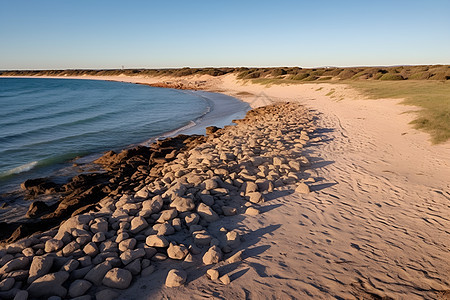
x=46, y=123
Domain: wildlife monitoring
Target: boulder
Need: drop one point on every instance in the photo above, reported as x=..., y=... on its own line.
x=118, y=278
x=251, y=211
x=176, y=278
x=154, y=205
x=19, y=263
x=53, y=245
x=138, y=224
x=302, y=188
x=98, y=272
x=233, y=239
x=91, y=249
x=207, y=213
x=212, y=256
x=79, y=287
x=255, y=197
x=7, y=284
x=156, y=241
x=40, y=266
x=178, y=252
x=49, y=285
x=130, y=255
x=183, y=204
x=228, y=210
x=225, y=279
x=106, y=294
x=213, y=274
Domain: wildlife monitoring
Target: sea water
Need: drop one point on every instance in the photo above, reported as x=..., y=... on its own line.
x=45, y=123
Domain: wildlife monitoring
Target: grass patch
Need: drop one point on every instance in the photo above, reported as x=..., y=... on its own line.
x=330, y=92
x=432, y=96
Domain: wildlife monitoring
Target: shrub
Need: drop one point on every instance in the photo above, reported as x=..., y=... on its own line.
x=390, y=76
x=300, y=76
x=278, y=72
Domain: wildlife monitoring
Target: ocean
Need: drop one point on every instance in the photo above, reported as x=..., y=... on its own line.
x=47, y=124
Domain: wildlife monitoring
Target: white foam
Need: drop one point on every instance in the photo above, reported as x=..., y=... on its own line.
x=20, y=169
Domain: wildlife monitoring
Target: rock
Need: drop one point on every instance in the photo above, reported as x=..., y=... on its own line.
x=130, y=255
x=127, y=244
x=255, y=197
x=228, y=210
x=251, y=211
x=207, y=199
x=302, y=188
x=86, y=260
x=53, y=245
x=91, y=249
x=167, y=215
x=176, y=278
x=213, y=274
x=233, y=239
x=99, y=237
x=154, y=205
x=40, y=266
x=7, y=284
x=225, y=279
x=98, y=272
x=138, y=224
x=21, y=295
x=79, y=287
x=177, y=251
x=191, y=219
x=70, y=248
x=106, y=295
x=250, y=187
x=212, y=256
x=49, y=285
x=202, y=238
x=163, y=229
x=99, y=226
x=118, y=278
x=37, y=209
x=182, y=204
x=235, y=257
x=156, y=241
x=134, y=267
x=19, y=263
x=210, y=184
x=207, y=213
x=70, y=266
x=176, y=223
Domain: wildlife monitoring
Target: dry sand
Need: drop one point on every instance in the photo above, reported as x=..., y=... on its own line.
x=376, y=223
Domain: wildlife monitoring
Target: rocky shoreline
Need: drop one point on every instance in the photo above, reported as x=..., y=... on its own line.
x=152, y=204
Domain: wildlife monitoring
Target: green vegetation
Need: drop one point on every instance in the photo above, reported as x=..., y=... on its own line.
x=432, y=96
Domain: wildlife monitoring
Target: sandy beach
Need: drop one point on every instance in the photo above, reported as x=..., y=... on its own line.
x=320, y=195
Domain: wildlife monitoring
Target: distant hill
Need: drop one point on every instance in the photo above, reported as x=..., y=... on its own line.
x=430, y=72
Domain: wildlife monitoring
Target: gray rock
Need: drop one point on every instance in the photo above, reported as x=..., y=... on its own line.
x=213, y=274
x=19, y=263
x=212, y=256
x=138, y=224
x=302, y=188
x=156, y=241
x=163, y=229
x=21, y=295
x=118, y=278
x=79, y=287
x=177, y=251
x=127, y=244
x=99, y=237
x=176, y=278
x=91, y=249
x=130, y=255
x=40, y=266
x=70, y=266
x=98, y=272
x=7, y=284
x=182, y=204
x=255, y=197
x=49, y=285
x=134, y=267
x=207, y=213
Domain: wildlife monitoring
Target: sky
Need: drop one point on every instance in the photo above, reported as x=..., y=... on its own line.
x=97, y=34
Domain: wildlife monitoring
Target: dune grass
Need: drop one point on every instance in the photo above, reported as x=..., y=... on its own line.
x=433, y=97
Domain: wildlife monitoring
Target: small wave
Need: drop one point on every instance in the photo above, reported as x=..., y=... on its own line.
x=19, y=169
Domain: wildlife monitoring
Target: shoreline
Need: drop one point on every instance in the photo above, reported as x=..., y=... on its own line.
x=375, y=217
x=222, y=110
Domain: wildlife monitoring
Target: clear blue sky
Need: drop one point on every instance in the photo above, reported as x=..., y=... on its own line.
x=61, y=34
